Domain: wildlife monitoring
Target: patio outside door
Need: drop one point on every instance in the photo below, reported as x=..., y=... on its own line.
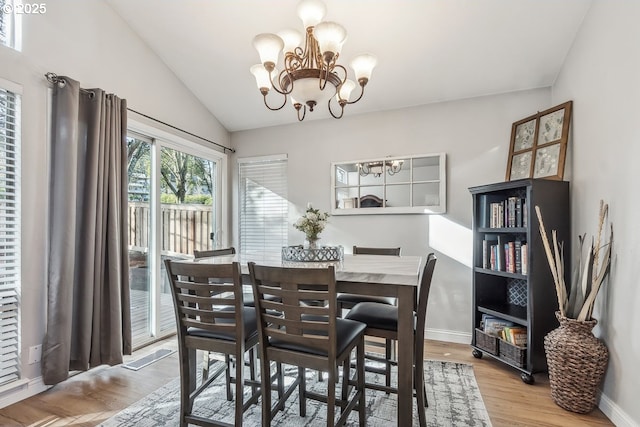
x=173, y=210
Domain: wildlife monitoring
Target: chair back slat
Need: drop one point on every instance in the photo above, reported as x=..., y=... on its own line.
x=359, y=250
x=295, y=287
x=201, y=304
x=214, y=252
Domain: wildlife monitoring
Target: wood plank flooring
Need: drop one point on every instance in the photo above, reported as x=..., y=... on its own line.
x=91, y=397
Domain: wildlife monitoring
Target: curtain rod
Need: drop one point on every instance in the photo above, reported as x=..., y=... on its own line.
x=54, y=79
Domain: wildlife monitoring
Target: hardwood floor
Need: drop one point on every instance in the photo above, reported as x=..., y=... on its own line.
x=89, y=398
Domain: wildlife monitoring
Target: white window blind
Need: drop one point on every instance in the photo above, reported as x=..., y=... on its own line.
x=264, y=219
x=9, y=22
x=9, y=234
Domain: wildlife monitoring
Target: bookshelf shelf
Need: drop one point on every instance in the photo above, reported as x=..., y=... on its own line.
x=511, y=278
x=511, y=312
x=499, y=273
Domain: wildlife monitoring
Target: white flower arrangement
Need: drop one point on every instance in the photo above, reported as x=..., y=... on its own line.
x=312, y=223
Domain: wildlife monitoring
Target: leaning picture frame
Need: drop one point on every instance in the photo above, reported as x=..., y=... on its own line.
x=539, y=144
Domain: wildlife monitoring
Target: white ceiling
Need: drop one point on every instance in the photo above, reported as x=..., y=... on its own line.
x=428, y=50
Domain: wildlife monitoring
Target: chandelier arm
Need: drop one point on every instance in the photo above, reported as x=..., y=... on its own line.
x=360, y=97
x=264, y=97
x=322, y=83
x=278, y=88
x=304, y=113
x=344, y=72
x=331, y=111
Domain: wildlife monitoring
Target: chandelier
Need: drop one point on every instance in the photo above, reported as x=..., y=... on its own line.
x=378, y=168
x=310, y=75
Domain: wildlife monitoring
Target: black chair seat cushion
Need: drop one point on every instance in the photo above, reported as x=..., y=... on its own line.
x=250, y=326
x=355, y=299
x=346, y=332
x=375, y=315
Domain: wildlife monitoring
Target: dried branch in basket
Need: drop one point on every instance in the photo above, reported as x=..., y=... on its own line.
x=589, y=273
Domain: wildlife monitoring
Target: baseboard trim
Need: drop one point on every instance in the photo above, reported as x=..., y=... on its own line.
x=448, y=336
x=22, y=390
x=615, y=414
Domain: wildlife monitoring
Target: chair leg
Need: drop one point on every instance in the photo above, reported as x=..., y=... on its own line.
x=205, y=365
x=346, y=374
x=421, y=392
x=388, y=356
x=239, y=388
x=331, y=397
x=227, y=375
x=302, y=388
x=360, y=382
x=265, y=381
x=252, y=370
x=280, y=380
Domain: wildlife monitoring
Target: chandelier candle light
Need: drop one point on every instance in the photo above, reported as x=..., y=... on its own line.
x=306, y=71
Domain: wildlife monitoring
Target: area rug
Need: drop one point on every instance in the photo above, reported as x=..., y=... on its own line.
x=452, y=393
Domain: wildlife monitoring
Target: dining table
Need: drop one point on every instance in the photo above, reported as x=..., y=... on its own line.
x=390, y=276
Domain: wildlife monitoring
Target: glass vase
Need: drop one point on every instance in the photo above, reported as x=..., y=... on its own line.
x=312, y=243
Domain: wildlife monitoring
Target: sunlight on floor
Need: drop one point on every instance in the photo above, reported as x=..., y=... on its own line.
x=55, y=421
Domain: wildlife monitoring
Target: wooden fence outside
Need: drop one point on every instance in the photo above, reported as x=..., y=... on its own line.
x=185, y=228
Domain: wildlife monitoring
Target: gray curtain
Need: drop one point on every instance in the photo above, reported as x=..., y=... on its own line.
x=88, y=315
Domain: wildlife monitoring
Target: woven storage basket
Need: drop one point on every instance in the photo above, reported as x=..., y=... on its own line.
x=486, y=342
x=576, y=361
x=513, y=354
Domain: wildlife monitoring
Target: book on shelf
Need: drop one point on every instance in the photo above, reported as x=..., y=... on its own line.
x=510, y=256
x=487, y=243
x=524, y=252
x=493, y=325
x=501, y=263
x=501, y=254
x=483, y=211
x=516, y=335
x=517, y=250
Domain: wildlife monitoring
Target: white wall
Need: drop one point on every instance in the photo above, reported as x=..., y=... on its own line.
x=474, y=134
x=88, y=42
x=602, y=76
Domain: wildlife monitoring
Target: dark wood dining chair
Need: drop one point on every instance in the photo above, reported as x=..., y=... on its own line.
x=382, y=321
x=348, y=301
x=211, y=317
x=309, y=337
x=248, y=296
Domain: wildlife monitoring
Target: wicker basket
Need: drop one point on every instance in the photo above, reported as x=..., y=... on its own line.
x=577, y=361
x=486, y=342
x=513, y=354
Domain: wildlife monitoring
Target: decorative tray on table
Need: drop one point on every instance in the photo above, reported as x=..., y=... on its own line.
x=322, y=253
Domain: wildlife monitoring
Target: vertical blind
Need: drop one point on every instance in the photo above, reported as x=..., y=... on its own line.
x=9, y=234
x=263, y=205
x=7, y=23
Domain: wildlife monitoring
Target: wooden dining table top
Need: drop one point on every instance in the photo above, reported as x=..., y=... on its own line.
x=397, y=270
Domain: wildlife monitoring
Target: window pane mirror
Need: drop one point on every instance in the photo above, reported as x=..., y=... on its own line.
x=407, y=184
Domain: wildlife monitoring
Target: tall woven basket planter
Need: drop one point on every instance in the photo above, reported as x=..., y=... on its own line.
x=577, y=361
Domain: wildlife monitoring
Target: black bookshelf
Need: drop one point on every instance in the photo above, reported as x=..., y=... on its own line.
x=500, y=287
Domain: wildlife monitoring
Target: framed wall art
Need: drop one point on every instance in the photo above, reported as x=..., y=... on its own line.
x=539, y=144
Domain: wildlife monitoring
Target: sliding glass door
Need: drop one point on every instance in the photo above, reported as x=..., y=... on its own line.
x=175, y=208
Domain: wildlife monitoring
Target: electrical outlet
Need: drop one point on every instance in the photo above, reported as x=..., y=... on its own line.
x=35, y=354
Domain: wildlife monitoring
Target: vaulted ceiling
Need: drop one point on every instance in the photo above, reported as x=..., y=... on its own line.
x=428, y=50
